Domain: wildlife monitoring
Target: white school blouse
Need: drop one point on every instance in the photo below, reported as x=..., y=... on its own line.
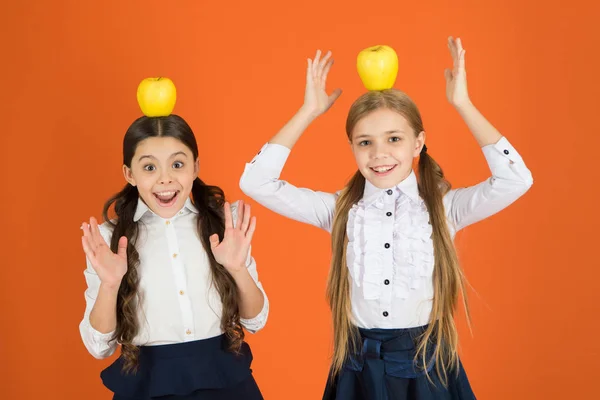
x=390, y=250
x=179, y=302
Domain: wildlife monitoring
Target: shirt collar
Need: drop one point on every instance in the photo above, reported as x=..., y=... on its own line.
x=408, y=186
x=142, y=209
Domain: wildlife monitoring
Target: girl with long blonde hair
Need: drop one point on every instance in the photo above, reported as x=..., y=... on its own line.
x=395, y=280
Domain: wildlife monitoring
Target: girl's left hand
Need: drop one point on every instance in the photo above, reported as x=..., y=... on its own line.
x=233, y=250
x=456, y=79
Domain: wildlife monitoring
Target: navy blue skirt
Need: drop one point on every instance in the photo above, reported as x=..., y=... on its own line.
x=198, y=370
x=385, y=369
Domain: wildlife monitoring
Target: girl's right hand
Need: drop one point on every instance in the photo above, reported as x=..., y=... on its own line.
x=109, y=266
x=316, y=100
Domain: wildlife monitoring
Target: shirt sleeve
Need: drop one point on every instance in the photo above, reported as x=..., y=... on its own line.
x=98, y=344
x=510, y=179
x=260, y=181
x=255, y=324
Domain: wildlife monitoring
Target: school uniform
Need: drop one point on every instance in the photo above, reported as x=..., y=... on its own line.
x=183, y=351
x=390, y=261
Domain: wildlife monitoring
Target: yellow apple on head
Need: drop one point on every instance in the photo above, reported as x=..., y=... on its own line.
x=377, y=67
x=156, y=96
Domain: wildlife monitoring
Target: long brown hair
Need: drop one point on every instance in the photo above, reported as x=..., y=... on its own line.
x=209, y=201
x=448, y=279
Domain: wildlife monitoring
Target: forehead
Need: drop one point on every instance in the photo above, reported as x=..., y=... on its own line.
x=160, y=147
x=381, y=121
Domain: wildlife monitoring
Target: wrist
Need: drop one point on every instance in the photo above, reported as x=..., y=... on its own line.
x=464, y=106
x=307, y=113
x=110, y=287
x=238, y=271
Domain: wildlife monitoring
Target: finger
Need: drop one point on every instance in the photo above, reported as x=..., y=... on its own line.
x=458, y=45
x=246, y=220
x=326, y=72
x=334, y=96
x=452, y=47
x=122, y=249
x=95, y=231
x=214, y=241
x=448, y=75
x=240, y=214
x=323, y=63
x=251, y=229
x=309, y=74
x=317, y=57
x=228, y=217
x=87, y=249
x=316, y=63
x=461, y=59
x=88, y=235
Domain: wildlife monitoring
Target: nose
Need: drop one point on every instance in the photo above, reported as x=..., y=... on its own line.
x=378, y=151
x=165, y=177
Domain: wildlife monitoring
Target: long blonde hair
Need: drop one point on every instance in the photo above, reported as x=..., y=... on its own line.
x=448, y=279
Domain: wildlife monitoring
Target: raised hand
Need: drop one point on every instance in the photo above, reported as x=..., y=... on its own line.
x=110, y=267
x=232, y=251
x=316, y=99
x=456, y=78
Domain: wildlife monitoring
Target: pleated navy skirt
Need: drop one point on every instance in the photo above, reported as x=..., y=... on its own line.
x=385, y=369
x=198, y=370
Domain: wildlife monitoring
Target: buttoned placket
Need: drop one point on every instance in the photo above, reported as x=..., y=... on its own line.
x=387, y=217
x=179, y=275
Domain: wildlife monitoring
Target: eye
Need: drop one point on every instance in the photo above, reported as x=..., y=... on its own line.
x=364, y=143
x=149, y=167
x=395, y=139
x=177, y=165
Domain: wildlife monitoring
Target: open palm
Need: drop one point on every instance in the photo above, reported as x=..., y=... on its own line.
x=109, y=266
x=316, y=99
x=456, y=78
x=233, y=250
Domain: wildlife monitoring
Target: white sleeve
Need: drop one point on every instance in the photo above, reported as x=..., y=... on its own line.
x=510, y=179
x=95, y=342
x=255, y=324
x=260, y=181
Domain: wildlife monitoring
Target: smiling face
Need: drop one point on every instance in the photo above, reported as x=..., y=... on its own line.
x=163, y=169
x=384, y=146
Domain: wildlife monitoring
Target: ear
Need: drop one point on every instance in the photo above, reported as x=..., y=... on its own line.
x=197, y=166
x=419, y=142
x=128, y=175
x=350, y=145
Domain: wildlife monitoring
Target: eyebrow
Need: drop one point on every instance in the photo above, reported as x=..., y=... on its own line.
x=391, y=132
x=179, y=153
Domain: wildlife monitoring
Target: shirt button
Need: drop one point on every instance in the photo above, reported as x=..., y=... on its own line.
x=181, y=292
x=385, y=314
x=167, y=222
x=387, y=281
x=387, y=245
x=389, y=191
x=389, y=214
x=506, y=151
x=175, y=255
x=188, y=332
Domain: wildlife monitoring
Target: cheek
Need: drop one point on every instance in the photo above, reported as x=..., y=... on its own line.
x=145, y=184
x=361, y=158
x=186, y=177
x=405, y=151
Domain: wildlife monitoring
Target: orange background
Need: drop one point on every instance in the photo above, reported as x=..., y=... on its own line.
x=69, y=75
